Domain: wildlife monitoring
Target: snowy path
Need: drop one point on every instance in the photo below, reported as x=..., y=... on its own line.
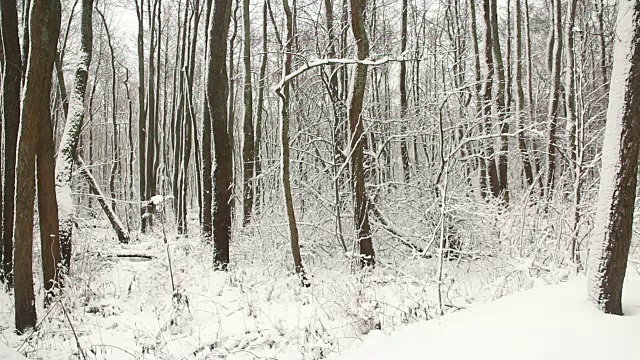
x=549, y=322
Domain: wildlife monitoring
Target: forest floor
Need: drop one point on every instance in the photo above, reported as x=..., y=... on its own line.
x=548, y=322
x=121, y=301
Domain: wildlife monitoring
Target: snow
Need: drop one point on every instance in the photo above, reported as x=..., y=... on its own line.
x=547, y=322
x=7, y=353
x=126, y=308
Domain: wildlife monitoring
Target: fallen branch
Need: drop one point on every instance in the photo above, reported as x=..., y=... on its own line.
x=123, y=235
x=386, y=225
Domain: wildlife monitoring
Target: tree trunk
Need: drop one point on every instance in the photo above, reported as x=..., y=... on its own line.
x=554, y=98
x=142, y=121
x=356, y=98
x=612, y=233
x=121, y=233
x=404, y=149
x=260, y=106
x=284, y=137
x=207, y=164
x=519, y=92
x=11, y=81
x=47, y=202
x=71, y=134
x=487, y=92
x=44, y=25
x=248, y=147
x=501, y=107
x=217, y=94
x=115, y=167
x=150, y=147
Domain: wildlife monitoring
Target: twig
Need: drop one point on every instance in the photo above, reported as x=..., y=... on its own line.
x=75, y=335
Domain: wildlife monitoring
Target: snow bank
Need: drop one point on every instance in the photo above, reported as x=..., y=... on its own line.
x=7, y=353
x=549, y=322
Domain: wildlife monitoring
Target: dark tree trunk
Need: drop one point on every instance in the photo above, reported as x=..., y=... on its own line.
x=554, y=99
x=404, y=148
x=260, y=108
x=487, y=93
x=142, y=121
x=44, y=27
x=48, y=202
x=11, y=81
x=611, y=237
x=248, y=146
x=284, y=94
x=217, y=94
x=207, y=164
x=356, y=96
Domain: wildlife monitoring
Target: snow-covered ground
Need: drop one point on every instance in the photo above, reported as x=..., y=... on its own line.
x=547, y=322
x=118, y=307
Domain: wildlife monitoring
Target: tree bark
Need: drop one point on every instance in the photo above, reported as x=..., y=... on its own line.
x=404, y=149
x=44, y=26
x=519, y=92
x=487, y=93
x=356, y=98
x=71, y=134
x=11, y=81
x=115, y=167
x=611, y=237
x=142, y=121
x=207, y=164
x=260, y=107
x=248, y=146
x=121, y=233
x=48, y=202
x=284, y=94
x=554, y=98
x=217, y=96
x=501, y=107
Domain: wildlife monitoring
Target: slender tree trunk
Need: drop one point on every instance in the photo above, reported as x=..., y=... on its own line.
x=217, y=94
x=11, y=81
x=260, y=107
x=356, y=98
x=248, y=146
x=554, y=98
x=71, y=134
x=572, y=121
x=44, y=26
x=115, y=167
x=501, y=107
x=142, y=121
x=519, y=92
x=487, y=92
x=599, y=5
x=478, y=96
x=285, y=155
x=404, y=149
x=231, y=104
x=207, y=164
x=612, y=233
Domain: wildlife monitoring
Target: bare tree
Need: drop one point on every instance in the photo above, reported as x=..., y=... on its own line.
x=611, y=238
x=404, y=149
x=248, y=146
x=217, y=96
x=11, y=81
x=356, y=99
x=555, y=57
x=69, y=142
x=284, y=95
x=44, y=27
